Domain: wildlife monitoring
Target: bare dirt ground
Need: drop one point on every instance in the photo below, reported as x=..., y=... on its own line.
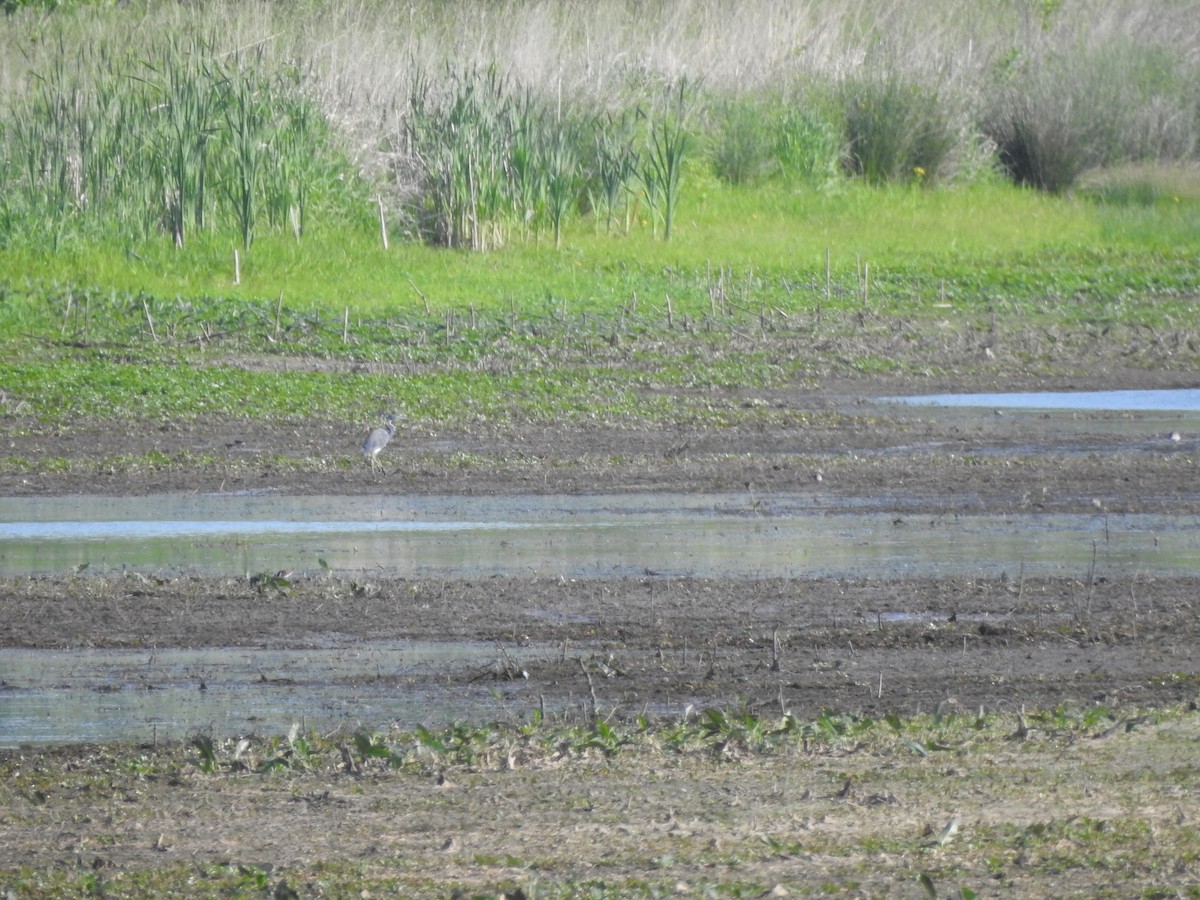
x=803, y=645
x=883, y=455
x=1000, y=642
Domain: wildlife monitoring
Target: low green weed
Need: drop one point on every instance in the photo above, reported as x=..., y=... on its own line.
x=206, y=751
x=740, y=731
x=755, y=246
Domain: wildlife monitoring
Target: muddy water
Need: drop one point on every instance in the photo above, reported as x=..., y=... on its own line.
x=65, y=696
x=591, y=536
x=51, y=696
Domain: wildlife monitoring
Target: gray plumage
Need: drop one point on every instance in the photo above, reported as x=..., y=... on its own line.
x=376, y=441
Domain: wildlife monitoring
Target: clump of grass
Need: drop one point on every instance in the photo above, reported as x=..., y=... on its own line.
x=495, y=161
x=896, y=130
x=741, y=151
x=169, y=138
x=808, y=144
x=1055, y=115
x=751, y=138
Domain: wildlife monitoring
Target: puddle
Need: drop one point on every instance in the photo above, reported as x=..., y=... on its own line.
x=732, y=536
x=74, y=696
x=94, y=695
x=1182, y=400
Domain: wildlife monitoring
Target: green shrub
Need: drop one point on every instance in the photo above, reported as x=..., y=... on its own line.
x=743, y=143
x=755, y=138
x=895, y=130
x=808, y=146
x=1055, y=115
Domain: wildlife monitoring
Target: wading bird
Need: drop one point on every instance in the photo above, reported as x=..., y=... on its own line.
x=376, y=441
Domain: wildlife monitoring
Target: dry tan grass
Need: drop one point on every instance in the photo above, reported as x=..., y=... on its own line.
x=360, y=57
x=1171, y=182
x=1104, y=811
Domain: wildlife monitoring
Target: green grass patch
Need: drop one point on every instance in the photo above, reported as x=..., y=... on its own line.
x=761, y=244
x=608, y=328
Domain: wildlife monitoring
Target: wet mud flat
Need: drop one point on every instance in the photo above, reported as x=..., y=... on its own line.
x=1021, y=804
x=840, y=441
x=339, y=653
x=989, y=630
x=1085, y=748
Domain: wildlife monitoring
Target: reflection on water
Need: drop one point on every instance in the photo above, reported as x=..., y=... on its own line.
x=592, y=536
x=1182, y=400
x=85, y=695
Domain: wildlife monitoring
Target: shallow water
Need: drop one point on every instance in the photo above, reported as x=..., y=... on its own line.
x=1180, y=400
x=50, y=696
x=84, y=695
x=731, y=535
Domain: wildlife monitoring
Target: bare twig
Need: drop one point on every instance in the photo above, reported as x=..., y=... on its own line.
x=382, y=221
x=591, y=689
x=149, y=320
x=424, y=299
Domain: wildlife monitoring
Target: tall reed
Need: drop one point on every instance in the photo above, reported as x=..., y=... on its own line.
x=172, y=138
x=495, y=160
x=617, y=157
x=665, y=151
x=486, y=120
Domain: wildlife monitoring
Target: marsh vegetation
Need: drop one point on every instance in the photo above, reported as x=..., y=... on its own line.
x=585, y=245
x=482, y=125
x=285, y=182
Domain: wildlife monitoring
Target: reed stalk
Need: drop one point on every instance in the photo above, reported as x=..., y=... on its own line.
x=665, y=152
x=488, y=122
